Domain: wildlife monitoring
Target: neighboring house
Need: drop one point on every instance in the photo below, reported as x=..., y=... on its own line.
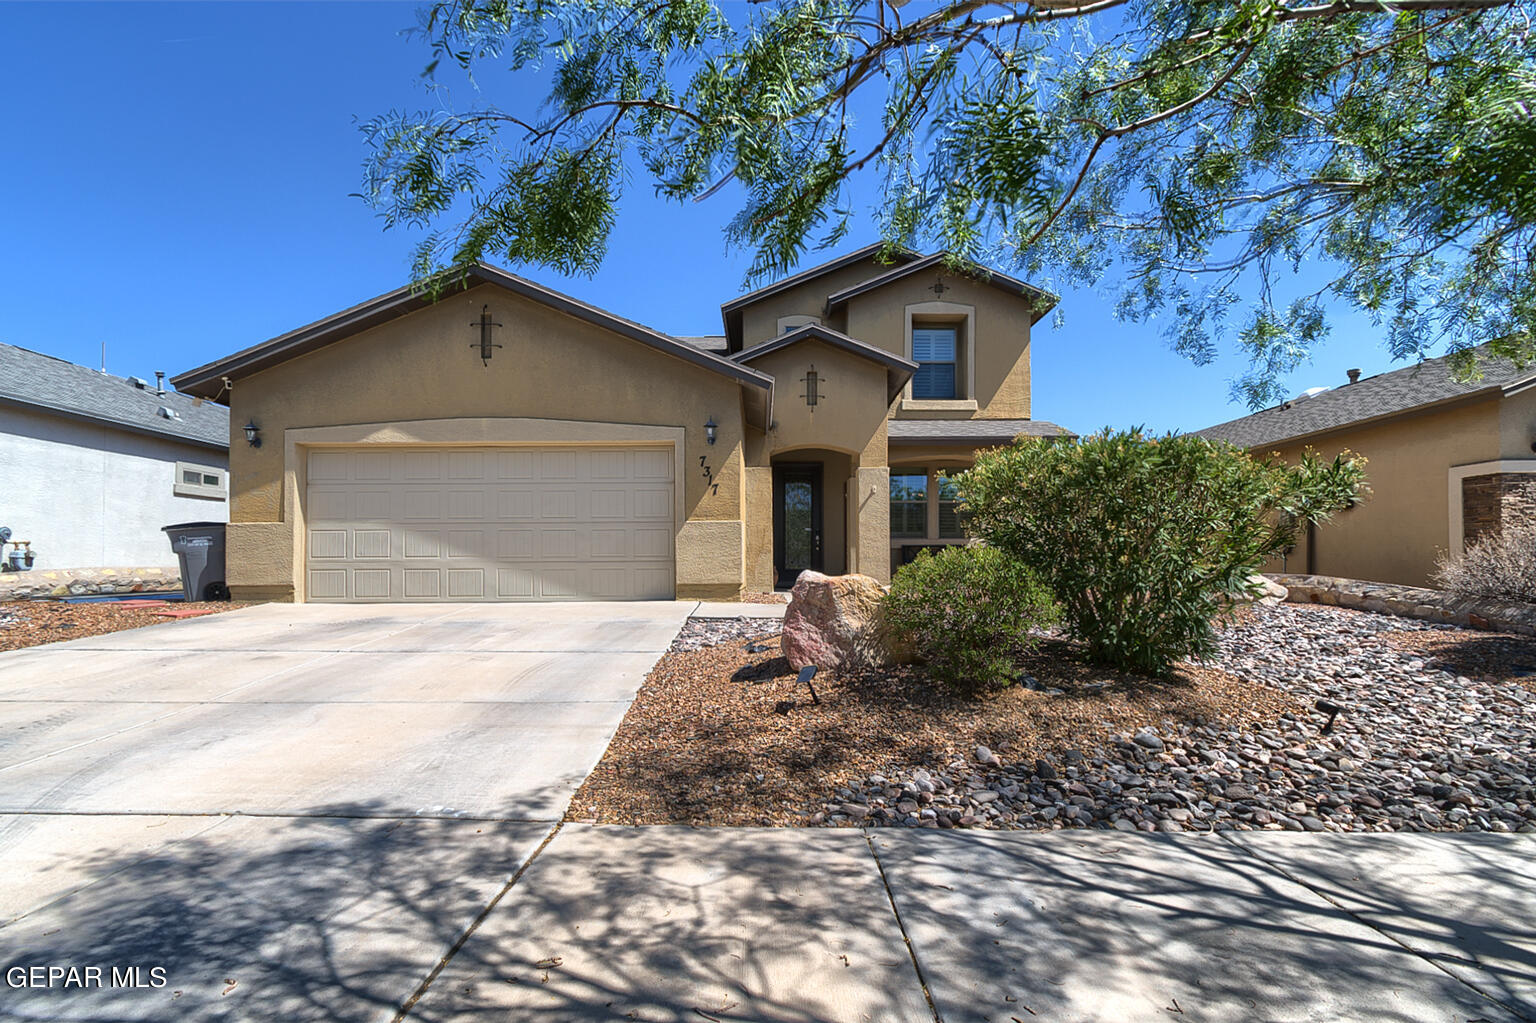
x=580, y=455
x=1446, y=461
x=94, y=465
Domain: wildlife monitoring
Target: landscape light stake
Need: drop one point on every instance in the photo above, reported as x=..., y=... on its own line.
x=1333, y=710
x=806, y=674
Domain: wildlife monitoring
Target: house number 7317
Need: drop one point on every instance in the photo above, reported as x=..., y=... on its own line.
x=709, y=476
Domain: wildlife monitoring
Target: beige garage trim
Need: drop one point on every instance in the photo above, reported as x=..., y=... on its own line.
x=578, y=544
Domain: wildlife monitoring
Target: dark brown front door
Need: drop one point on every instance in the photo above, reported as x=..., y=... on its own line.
x=796, y=521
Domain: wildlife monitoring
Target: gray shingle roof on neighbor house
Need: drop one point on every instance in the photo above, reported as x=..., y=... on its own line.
x=1386, y=394
x=999, y=431
x=32, y=380
x=706, y=343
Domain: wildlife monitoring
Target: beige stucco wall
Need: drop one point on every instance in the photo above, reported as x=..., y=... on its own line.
x=420, y=368
x=760, y=320
x=1398, y=532
x=846, y=433
x=1001, y=328
x=1517, y=425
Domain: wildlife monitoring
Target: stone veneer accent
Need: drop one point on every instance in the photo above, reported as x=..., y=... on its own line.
x=80, y=582
x=1410, y=602
x=1487, y=501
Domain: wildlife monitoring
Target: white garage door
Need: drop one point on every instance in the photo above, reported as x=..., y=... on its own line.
x=467, y=524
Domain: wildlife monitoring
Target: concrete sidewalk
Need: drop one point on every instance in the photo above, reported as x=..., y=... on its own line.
x=797, y=925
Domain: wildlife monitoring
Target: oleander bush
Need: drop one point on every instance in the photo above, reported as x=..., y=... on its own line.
x=1145, y=540
x=1500, y=565
x=968, y=612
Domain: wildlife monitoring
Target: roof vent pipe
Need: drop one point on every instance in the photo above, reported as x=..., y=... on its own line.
x=1354, y=375
x=159, y=381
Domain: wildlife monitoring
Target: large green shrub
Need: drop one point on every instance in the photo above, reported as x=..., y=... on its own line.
x=1143, y=539
x=967, y=611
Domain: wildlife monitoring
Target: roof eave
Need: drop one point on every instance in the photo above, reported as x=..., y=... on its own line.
x=207, y=381
x=1002, y=281
x=1433, y=406
x=897, y=370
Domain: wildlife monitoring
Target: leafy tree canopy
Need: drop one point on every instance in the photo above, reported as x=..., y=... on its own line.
x=1195, y=153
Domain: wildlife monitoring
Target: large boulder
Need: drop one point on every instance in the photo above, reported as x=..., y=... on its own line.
x=1269, y=592
x=833, y=622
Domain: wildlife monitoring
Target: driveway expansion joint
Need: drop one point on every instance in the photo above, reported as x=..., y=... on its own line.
x=906, y=938
x=421, y=990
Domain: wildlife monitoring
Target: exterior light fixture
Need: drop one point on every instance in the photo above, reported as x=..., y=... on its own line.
x=252, y=434
x=812, y=382
x=709, y=429
x=485, y=344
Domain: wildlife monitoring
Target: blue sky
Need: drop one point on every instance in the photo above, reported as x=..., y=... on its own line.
x=178, y=183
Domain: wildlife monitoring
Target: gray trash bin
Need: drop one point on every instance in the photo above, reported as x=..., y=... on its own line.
x=200, y=548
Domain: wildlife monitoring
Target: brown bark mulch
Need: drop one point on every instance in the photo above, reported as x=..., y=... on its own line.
x=703, y=744
x=27, y=623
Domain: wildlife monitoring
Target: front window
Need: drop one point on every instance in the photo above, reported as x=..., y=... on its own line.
x=933, y=349
x=909, y=505
x=949, y=509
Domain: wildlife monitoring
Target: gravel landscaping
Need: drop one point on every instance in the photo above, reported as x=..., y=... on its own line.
x=33, y=623
x=1436, y=730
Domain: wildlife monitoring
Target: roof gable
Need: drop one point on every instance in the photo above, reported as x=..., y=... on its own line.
x=898, y=370
x=32, y=380
x=208, y=380
x=1044, y=300
x=731, y=312
x=1397, y=392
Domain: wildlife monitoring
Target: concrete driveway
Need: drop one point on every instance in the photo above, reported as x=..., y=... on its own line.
x=292, y=810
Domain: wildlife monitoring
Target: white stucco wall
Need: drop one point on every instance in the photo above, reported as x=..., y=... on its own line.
x=89, y=496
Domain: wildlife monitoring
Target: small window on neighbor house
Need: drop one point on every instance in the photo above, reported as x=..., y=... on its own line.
x=199, y=481
x=950, y=527
x=933, y=349
x=909, y=505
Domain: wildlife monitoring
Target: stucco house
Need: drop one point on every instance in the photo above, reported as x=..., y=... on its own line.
x=96, y=464
x=507, y=442
x=1446, y=461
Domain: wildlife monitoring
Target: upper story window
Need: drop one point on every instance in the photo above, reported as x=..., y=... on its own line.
x=933, y=349
x=909, y=504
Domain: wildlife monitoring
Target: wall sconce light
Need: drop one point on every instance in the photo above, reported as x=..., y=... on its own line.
x=812, y=387
x=485, y=344
x=252, y=434
x=709, y=430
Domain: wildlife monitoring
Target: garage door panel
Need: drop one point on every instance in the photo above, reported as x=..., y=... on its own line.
x=464, y=524
x=371, y=583
x=371, y=543
x=423, y=543
x=327, y=543
x=423, y=465
x=422, y=583
x=466, y=543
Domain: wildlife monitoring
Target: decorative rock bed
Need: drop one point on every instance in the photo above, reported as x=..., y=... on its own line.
x=1414, y=749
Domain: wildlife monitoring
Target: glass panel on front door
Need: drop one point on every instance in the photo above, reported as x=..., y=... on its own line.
x=799, y=526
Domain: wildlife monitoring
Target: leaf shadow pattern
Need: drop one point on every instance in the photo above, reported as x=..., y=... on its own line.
x=314, y=917
x=1096, y=925
x=678, y=924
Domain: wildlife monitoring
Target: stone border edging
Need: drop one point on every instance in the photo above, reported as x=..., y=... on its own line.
x=80, y=582
x=1409, y=602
